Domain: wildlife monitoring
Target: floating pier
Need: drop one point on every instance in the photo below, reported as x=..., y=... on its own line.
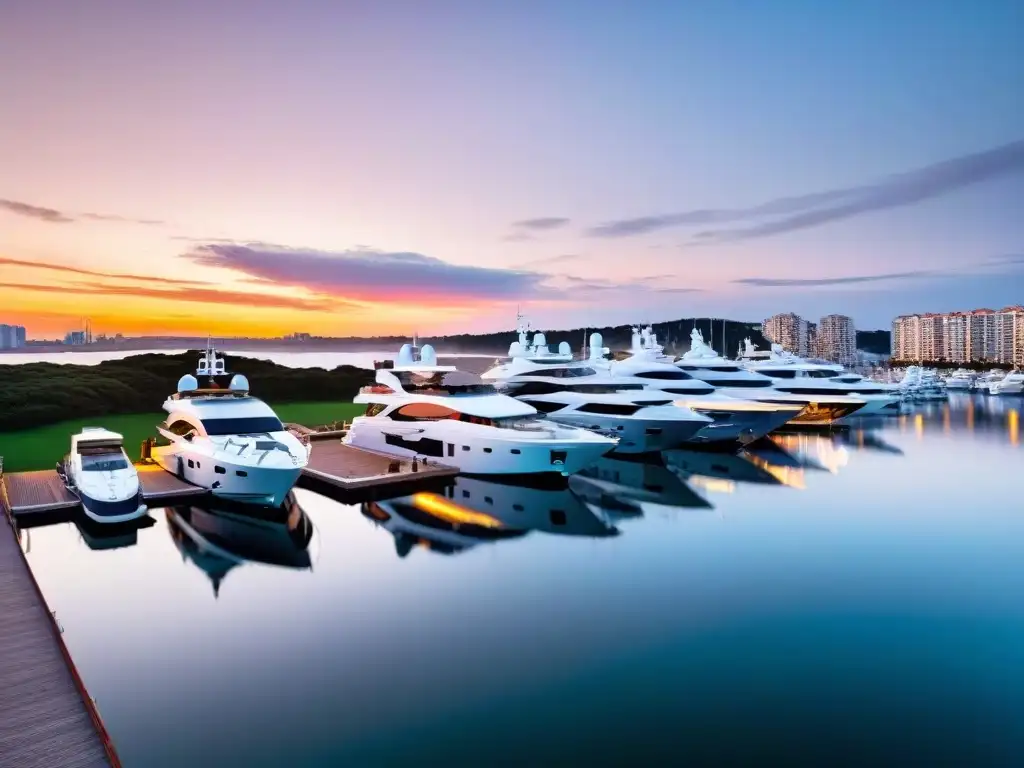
x=336, y=467
x=48, y=717
x=42, y=493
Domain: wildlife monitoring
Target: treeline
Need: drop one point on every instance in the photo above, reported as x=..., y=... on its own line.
x=44, y=393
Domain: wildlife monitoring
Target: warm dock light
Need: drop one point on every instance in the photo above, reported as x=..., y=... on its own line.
x=440, y=507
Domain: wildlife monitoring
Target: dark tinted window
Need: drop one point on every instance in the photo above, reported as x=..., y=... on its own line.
x=444, y=383
x=780, y=374
x=668, y=375
x=613, y=409
x=742, y=383
x=243, y=426
x=603, y=389
x=823, y=374
x=180, y=427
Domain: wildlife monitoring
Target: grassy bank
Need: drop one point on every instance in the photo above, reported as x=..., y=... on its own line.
x=43, y=447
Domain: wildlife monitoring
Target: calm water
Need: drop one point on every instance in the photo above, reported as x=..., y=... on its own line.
x=854, y=599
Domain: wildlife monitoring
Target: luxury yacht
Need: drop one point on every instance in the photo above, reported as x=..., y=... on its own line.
x=437, y=523
x=1011, y=384
x=420, y=408
x=985, y=381
x=960, y=380
x=922, y=384
x=224, y=439
x=576, y=393
x=743, y=380
x=98, y=471
x=735, y=419
x=218, y=540
x=827, y=385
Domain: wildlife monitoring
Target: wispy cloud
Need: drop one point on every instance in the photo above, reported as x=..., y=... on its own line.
x=542, y=224
x=518, y=237
x=549, y=261
x=192, y=295
x=53, y=216
x=797, y=212
x=373, y=275
x=35, y=212
x=93, y=273
x=777, y=282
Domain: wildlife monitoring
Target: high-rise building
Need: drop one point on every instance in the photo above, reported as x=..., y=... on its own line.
x=12, y=336
x=837, y=339
x=980, y=335
x=791, y=331
x=74, y=338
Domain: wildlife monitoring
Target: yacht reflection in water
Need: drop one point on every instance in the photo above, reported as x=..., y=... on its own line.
x=475, y=511
x=624, y=484
x=98, y=536
x=218, y=537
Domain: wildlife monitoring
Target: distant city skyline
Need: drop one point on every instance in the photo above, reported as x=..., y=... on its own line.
x=359, y=169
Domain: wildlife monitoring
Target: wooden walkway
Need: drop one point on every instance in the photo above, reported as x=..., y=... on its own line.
x=42, y=493
x=46, y=717
x=333, y=465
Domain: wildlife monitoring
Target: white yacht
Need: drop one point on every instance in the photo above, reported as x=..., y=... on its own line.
x=960, y=380
x=827, y=385
x=223, y=439
x=735, y=419
x=98, y=471
x=922, y=384
x=985, y=381
x=420, y=408
x=1011, y=384
x=576, y=393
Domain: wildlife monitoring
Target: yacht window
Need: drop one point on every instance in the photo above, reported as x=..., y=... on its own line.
x=465, y=447
x=823, y=374
x=780, y=374
x=451, y=449
x=487, y=450
x=645, y=403
x=670, y=375
x=250, y=425
x=616, y=409
x=104, y=462
x=191, y=464
x=534, y=387
x=241, y=473
x=690, y=390
x=545, y=407
x=724, y=369
x=557, y=516
x=444, y=383
x=742, y=383
x=813, y=390
x=571, y=373
x=515, y=451
x=220, y=470
x=604, y=389
x=180, y=428
x=374, y=409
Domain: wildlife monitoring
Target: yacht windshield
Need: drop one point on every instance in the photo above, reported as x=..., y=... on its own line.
x=823, y=373
x=444, y=383
x=251, y=425
x=104, y=462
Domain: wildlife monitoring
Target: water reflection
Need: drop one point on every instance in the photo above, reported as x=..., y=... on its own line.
x=624, y=484
x=972, y=413
x=217, y=539
x=99, y=536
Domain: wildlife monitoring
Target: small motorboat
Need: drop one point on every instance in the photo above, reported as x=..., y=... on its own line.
x=99, y=473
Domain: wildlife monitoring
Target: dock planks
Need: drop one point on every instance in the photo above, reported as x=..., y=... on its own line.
x=333, y=464
x=44, y=718
x=158, y=484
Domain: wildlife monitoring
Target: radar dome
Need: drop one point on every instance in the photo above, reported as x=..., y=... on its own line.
x=564, y=348
x=239, y=383
x=596, y=341
x=188, y=383
x=427, y=355
x=515, y=349
x=540, y=340
x=405, y=355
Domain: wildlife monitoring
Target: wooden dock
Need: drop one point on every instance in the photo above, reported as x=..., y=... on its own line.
x=42, y=493
x=335, y=467
x=48, y=719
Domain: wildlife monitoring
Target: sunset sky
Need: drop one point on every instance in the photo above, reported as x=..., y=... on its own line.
x=361, y=168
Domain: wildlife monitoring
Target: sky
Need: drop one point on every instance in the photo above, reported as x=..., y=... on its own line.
x=382, y=167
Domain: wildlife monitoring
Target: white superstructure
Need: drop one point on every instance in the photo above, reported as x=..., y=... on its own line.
x=98, y=471
x=223, y=439
x=1011, y=384
x=418, y=408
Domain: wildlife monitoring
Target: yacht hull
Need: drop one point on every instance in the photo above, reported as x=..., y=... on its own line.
x=265, y=486
x=476, y=453
x=107, y=511
x=636, y=434
x=740, y=426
